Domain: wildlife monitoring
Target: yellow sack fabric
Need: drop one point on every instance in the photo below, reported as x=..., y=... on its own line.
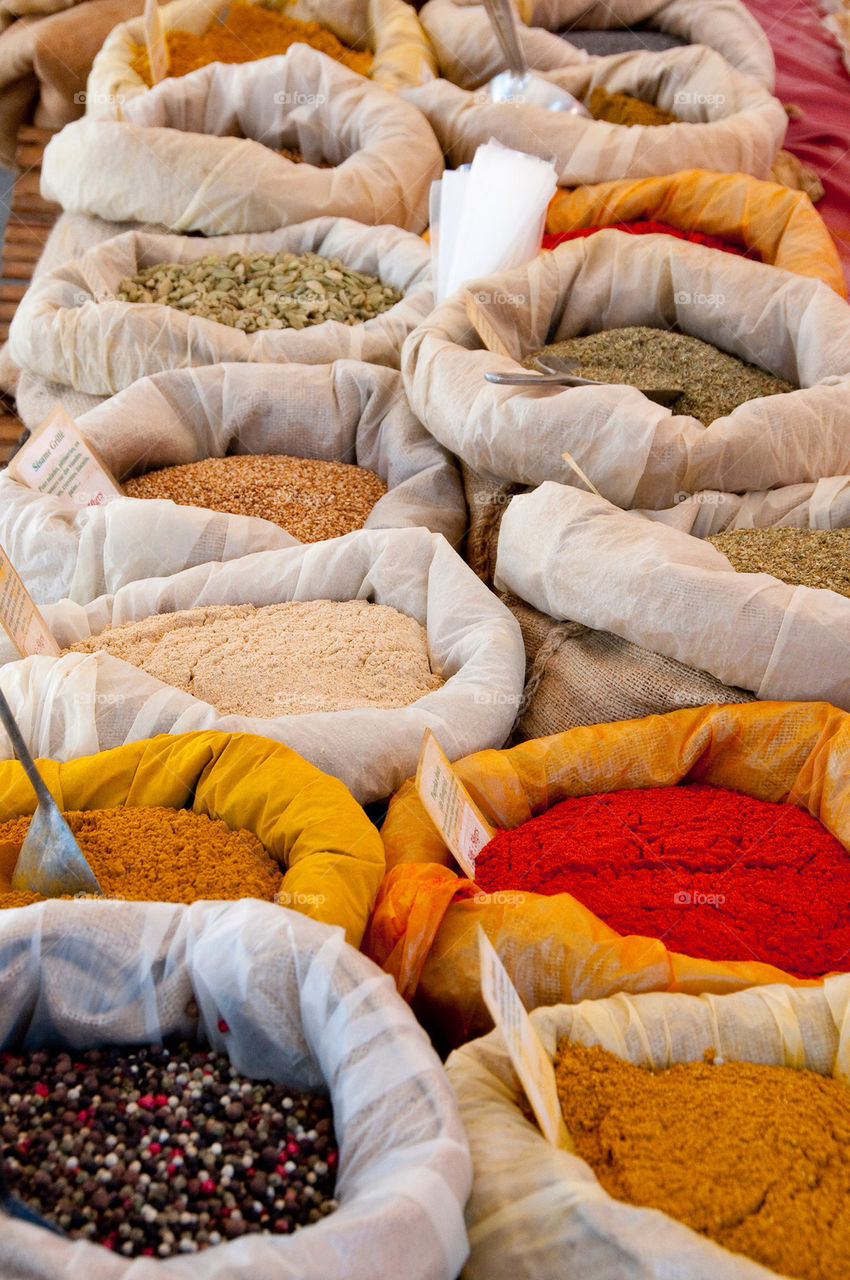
x=423, y=928
x=309, y=822
x=782, y=225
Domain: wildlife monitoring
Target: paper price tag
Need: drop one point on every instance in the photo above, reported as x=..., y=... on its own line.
x=449, y=805
x=21, y=620
x=530, y=1060
x=155, y=42
x=58, y=460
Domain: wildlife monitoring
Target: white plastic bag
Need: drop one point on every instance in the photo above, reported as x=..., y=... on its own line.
x=82, y=703
x=727, y=121
x=468, y=53
x=301, y=1007
x=537, y=1211
x=69, y=327
x=657, y=587
x=390, y=28
x=204, y=143
x=344, y=412
x=635, y=452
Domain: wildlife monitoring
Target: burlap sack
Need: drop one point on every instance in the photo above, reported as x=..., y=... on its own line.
x=663, y=589
x=390, y=28
x=287, y=1000
x=206, y=145
x=538, y=1211
x=635, y=452
x=344, y=412
x=79, y=704
x=468, y=53
x=728, y=122
x=45, y=60
x=576, y=676
x=69, y=328
x=824, y=505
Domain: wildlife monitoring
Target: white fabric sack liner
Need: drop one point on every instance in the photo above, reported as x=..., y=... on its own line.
x=824, y=505
x=63, y=333
x=344, y=412
x=657, y=587
x=468, y=52
x=636, y=452
x=538, y=1211
x=389, y=28
x=204, y=145
x=728, y=121
x=303, y=1009
x=82, y=703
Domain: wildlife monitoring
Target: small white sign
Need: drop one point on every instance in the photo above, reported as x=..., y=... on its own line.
x=530, y=1060
x=58, y=460
x=449, y=805
x=20, y=618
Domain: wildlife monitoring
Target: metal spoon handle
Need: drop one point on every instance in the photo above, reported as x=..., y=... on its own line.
x=502, y=17
x=22, y=751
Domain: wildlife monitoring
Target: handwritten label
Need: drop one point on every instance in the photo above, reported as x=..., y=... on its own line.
x=530, y=1060
x=449, y=805
x=155, y=42
x=21, y=620
x=58, y=460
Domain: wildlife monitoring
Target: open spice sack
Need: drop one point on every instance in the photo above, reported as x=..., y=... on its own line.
x=286, y=1001
x=656, y=586
x=252, y=147
x=352, y=455
x=638, y=453
x=299, y=838
x=45, y=59
x=468, y=52
x=72, y=328
x=723, y=119
x=423, y=927
x=389, y=30
x=428, y=657
x=539, y=1210
x=773, y=224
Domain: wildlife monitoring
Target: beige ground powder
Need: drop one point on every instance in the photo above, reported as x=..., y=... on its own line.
x=282, y=659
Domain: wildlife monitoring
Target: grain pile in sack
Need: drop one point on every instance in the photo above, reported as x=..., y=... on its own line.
x=423, y=927
x=346, y=412
x=329, y=852
x=45, y=58
x=289, y=1001
x=635, y=452
x=727, y=121
x=63, y=332
x=468, y=53
x=537, y=1210
x=659, y=587
x=781, y=226
x=207, y=144
x=389, y=28
x=79, y=704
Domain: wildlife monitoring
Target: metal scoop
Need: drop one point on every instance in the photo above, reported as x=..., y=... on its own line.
x=556, y=371
x=517, y=85
x=50, y=862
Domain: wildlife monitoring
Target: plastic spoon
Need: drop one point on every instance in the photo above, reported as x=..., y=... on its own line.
x=517, y=85
x=50, y=862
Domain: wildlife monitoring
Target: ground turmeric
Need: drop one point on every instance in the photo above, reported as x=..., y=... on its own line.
x=247, y=33
x=155, y=855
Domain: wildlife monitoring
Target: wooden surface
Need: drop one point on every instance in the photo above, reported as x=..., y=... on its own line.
x=29, y=225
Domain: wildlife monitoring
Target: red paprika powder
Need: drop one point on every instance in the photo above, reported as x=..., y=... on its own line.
x=552, y=239
x=713, y=873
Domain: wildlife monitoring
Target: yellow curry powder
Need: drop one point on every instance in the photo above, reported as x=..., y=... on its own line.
x=247, y=33
x=755, y=1157
x=155, y=855
x=625, y=109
